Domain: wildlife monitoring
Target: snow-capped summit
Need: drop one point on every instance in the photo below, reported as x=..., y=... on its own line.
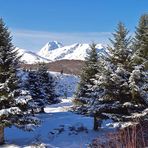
x=49, y=47
x=75, y=51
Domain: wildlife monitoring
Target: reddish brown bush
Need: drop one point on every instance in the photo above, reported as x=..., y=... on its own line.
x=135, y=136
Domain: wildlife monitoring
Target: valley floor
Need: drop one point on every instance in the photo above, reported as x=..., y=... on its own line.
x=60, y=128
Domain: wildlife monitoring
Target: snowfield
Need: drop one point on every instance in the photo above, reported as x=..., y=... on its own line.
x=59, y=129
x=60, y=107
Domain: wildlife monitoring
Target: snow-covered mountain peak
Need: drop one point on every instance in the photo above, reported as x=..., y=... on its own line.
x=77, y=51
x=53, y=45
x=54, y=51
x=48, y=47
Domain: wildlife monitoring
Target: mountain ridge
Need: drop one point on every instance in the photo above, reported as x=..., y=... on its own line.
x=54, y=51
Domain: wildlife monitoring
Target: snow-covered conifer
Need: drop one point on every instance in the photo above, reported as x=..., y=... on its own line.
x=13, y=100
x=33, y=86
x=88, y=73
x=47, y=84
x=140, y=55
x=139, y=76
x=112, y=82
x=121, y=86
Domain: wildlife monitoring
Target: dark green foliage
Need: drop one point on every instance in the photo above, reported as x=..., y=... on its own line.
x=8, y=65
x=47, y=84
x=121, y=42
x=117, y=69
x=34, y=86
x=13, y=100
x=42, y=87
x=125, y=86
x=112, y=81
x=120, y=87
x=139, y=75
x=8, y=59
x=118, y=98
x=140, y=55
x=116, y=73
x=88, y=73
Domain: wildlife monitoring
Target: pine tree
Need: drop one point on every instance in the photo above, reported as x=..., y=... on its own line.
x=113, y=81
x=117, y=68
x=13, y=101
x=121, y=44
x=41, y=86
x=47, y=84
x=35, y=91
x=139, y=76
x=88, y=72
x=140, y=55
x=117, y=101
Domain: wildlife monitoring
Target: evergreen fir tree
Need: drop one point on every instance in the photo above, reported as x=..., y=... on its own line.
x=13, y=102
x=35, y=91
x=41, y=86
x=47, y=84
x=140, y=55
x=88, y=73
x=117, y=70
x=115, y=101
x=121, y=46
x=139, y=76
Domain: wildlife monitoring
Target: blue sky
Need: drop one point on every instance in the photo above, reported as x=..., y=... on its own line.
x=35, y=22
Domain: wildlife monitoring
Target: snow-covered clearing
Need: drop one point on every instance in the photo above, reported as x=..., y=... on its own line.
x=60, y=107
x=60, y=128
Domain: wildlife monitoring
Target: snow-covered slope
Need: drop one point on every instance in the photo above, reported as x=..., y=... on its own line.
x=29, y=57
x=66, y=84
x=76, y=52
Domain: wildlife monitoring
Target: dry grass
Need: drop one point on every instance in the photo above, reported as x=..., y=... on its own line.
x=135, y=136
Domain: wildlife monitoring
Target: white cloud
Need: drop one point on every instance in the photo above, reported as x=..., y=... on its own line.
x=34, y=40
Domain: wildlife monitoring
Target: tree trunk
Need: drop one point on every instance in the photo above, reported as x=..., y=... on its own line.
x=42, y=110
x=97, y=123
x=1, y=135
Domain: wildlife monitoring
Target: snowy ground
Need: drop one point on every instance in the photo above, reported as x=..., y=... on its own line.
x=59, y=129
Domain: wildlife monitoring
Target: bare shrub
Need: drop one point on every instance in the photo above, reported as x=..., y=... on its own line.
x=135, y=136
